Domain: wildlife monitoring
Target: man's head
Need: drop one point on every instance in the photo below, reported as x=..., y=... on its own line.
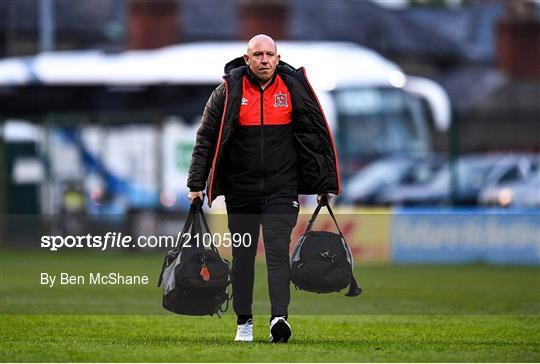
x=262, y=57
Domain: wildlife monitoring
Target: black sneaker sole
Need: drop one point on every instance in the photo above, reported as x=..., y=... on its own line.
x=281, y=332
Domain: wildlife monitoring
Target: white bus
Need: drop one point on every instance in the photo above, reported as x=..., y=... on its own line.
x=124, y=124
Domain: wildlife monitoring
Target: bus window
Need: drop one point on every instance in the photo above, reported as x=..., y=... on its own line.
x=379, y=121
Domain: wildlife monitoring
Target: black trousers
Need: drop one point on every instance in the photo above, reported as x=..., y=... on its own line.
x=277, y=213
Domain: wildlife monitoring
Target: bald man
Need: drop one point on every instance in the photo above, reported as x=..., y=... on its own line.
x=263, y=140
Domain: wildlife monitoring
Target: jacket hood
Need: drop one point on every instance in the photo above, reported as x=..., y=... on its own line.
x=235, y=63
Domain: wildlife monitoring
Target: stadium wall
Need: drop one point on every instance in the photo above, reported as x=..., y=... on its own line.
x=426, y=235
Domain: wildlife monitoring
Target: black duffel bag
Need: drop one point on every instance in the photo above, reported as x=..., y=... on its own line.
x=322, y=261
x=195, y=278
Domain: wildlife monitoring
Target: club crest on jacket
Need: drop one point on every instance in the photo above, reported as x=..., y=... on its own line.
x=280, y=100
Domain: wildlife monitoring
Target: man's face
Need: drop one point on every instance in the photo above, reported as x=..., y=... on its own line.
x=262, y=59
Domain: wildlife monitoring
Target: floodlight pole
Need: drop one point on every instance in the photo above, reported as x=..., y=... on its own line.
x=46, y=25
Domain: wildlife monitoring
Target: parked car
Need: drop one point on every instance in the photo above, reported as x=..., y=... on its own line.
x=472, y=174
x=365, y=186
x=517, y=194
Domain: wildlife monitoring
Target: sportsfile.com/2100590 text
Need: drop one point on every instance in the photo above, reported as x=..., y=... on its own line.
x=120, y=240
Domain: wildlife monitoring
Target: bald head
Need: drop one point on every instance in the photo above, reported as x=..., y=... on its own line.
x=262, y=58
x=261, y=39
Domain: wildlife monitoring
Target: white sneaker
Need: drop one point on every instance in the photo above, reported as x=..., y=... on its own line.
x=280, y=330
x=245, y=332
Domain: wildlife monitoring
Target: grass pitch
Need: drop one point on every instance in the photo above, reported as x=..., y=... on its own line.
x=406, y=313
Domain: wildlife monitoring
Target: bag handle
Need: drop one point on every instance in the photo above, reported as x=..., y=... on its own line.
x=316, y=212
x=197, y=203
x=199, y=216
x=189, y=220
x=354, y=290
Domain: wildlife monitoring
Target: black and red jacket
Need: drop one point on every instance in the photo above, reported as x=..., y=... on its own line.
x=228, y=149
x=262, y=156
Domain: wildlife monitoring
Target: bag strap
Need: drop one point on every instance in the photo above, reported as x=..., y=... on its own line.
x=187, y=225
x=199, y=217
x=205, y=223
x=196, y=229
x=316, y=212
x=313, y=217
x=335, y=221
x=354, y=290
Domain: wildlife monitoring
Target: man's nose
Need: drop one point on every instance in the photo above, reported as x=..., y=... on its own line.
x=264, y=59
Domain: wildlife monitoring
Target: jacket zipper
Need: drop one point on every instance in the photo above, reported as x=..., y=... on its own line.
x=262, y=138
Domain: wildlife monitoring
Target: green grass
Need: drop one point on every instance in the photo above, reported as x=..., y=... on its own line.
x=406, y=313
x=134, y=338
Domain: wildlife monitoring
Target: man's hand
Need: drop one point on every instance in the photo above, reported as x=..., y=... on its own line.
x=324, y=196
x=193, y=195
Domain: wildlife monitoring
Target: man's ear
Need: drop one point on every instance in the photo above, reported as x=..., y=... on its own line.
x=246, y=58
x=279, y=57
